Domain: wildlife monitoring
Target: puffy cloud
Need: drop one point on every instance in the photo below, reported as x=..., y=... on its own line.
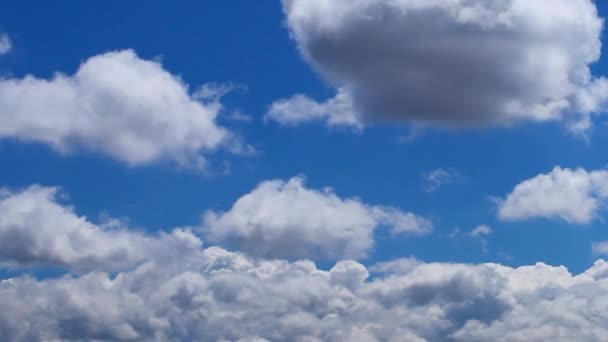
x=287, y=220
x=215, y=295
x=6, y=45
x=575, y=196
x=460, y=62
x=35, y=229
x=115, y=104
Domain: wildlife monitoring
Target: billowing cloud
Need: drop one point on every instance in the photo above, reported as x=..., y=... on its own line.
x=287, y=220
x=575, y=196
x=118, y=105
x=35, y=229
x=461, y=62
x=215, y=295
x=6, y=45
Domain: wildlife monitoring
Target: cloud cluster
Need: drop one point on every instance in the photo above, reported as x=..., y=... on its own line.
x=284, y=219
x=575, y=196
x=6, y=45
x=126, y=285
x=216, y=295
x=116, y=104
x=35, y=229
x=461, y=62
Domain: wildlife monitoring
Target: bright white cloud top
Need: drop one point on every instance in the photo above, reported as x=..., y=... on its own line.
x=285, y=219
x=449, y=62
x=116, y=104
x=575, y=196
x=6, y=45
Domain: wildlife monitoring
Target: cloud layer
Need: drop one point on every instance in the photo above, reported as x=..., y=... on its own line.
x=575, y=196
x=118, y=105
x=282, y=219
x=461, y=62
x=215, y=295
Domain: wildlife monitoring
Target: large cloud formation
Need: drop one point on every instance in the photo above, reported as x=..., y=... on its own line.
x=460, y=62
x=131, y=286
x=116, y=104
x=216, y=295
x=575, y=196
x=287, y=220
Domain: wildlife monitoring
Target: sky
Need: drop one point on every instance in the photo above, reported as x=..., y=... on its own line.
x=303, y=170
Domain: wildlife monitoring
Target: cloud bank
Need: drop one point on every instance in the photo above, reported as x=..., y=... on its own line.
x=118, y=105
x=216, y=295
x=450, y=63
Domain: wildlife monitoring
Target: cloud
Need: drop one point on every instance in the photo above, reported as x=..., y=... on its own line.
x=438, y=178
x=575, y=196
x=300, y=109
x=6, y=45
x=116, y=104
x=600, y=248
x=481, y=231
x=452, y=63
x=284, y=219
x=216, y=295
x=35, y=229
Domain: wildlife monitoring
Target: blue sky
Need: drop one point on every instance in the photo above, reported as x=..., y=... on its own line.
x=247, y=44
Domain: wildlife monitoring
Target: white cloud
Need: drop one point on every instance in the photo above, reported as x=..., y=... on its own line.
x=600, y=248
x=116, y=104
x=436, y=179
x=167, y=288
x=460, y=62
x=481, y=231
x=6, y=45
x=287, y=220
x=37, y=230
x=575, y=196
x=215, y=295
x=299, y=109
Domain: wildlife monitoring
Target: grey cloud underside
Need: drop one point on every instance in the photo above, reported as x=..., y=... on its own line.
x=455, y=63
x=215, y=295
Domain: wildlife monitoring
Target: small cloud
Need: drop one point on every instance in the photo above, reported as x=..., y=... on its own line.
x=438, y=178
x=480, y=231
x=6, y=45
x=600, y=248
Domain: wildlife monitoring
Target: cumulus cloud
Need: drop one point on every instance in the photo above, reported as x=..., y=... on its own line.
x=6, y=45
x=216, y=295
x=116, y=104
x=285, y=219
x=462, y=62
x=575, y=196
x=35, y=229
